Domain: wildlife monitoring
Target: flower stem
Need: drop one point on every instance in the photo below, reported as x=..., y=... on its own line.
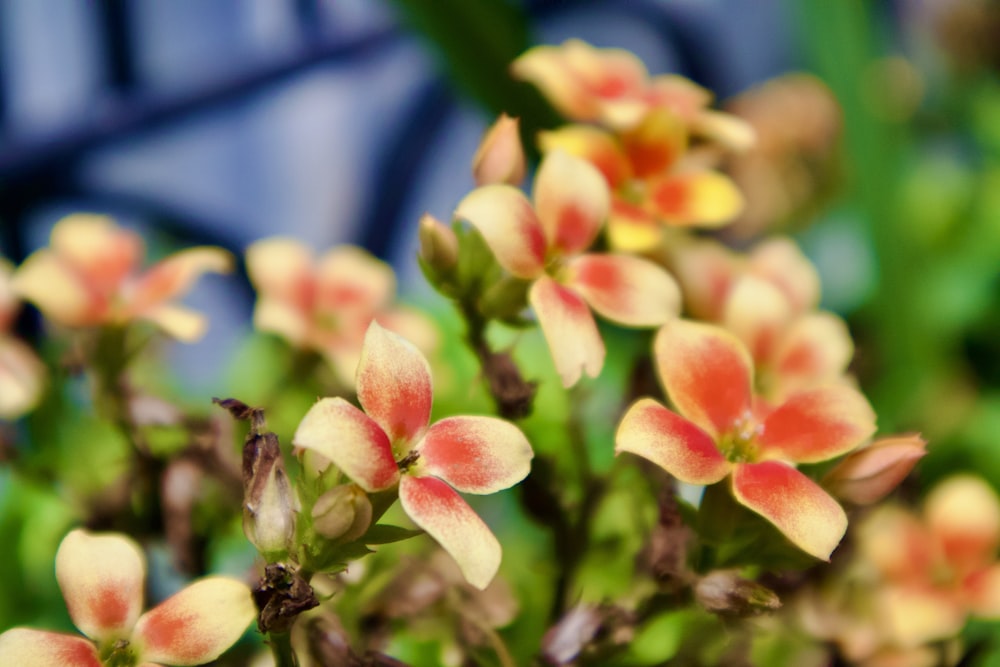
x=281, y=648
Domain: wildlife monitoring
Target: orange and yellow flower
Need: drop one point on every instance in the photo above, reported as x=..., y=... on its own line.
x=546, y=243
x=325, y=304
x=721, y=429
x=102, y=579
x=90, y=276
x=391, y=442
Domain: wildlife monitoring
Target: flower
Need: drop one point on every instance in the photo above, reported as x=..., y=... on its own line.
x=390, y=443
x=721, y=429
x=89, y=276
x=101, y=577
x=22, y=376
x=651, y=182
x=500, y=156
x=613, y=86
x=941, y=567
x=326, y=304
x=544, y=243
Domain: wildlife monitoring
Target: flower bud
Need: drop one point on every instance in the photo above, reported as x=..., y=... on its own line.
x=438, y=245
x=268, y=504
x=343, y=513
x=869, y=474
x=725, y=592
x=500, y=157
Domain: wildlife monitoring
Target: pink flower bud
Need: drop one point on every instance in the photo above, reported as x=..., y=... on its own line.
x=500, y=157
x=869, y=474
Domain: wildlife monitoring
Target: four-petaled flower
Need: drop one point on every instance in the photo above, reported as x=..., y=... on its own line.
x=326, y=304
x=612, y=86
x=721, y=429
x=89, y=276
x=545, y=244
x=652, y=184
x=102, y=579
x=939, y=568
x=390, y=443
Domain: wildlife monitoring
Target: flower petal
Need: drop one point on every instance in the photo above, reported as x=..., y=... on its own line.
x=593, y=144
x=569, y=330
x=352, y=281
x=100, y=252
x=58, y=291
x=626, y=289
x=25, y=647
x=394, y=383
x=508, y=223
x=800, y=509
x=475, y=454
x=916, y=616
x=279, y=267
x=983, y=591
x=197, y=624
x=817, y=425
x=679, y=94
x=706, y=372
x=174, y=276
x=101, y=577
x=546, y=68
x=703, y=198
x=815, y=349
x=631, y=228
x=780, y=261
x=22, y=378
x=963, y=514
x=439, y=510
x=278, y=316
x=572, y=200
x=179, y=322
x=352, y=440
x=730, y=131
x=671, y=442
x=757, y=312
x=656, y=143
x=706, y=270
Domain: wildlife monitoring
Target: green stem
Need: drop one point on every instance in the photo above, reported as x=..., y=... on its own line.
x=281, y=648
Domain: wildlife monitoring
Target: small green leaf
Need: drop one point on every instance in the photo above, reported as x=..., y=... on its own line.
x=386, y=534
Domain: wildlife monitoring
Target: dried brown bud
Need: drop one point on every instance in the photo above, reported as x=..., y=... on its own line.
x=725, y=592
x=281, y=595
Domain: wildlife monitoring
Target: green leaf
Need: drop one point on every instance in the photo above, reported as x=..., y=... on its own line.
x=386, y=534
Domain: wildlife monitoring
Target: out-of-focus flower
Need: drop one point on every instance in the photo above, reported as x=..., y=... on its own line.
x=22, y=375
x=102, y=580
x=612, y=86
x=650, y=181
x=390, y=443
x=871, y=473
x=791, y=351
x=708, y=271
x=545, y=244
x=90, y=276
x=326, y=304
x=721, y=429
x=500, y=156
x=940, y=568
x=797, y=122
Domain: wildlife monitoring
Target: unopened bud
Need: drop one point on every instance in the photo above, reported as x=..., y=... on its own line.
x=343, y=513
x=438, y=245
x=268, y=504
x=725, y=592
x=505, y=299
x=869, y=474
x=500, y=156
